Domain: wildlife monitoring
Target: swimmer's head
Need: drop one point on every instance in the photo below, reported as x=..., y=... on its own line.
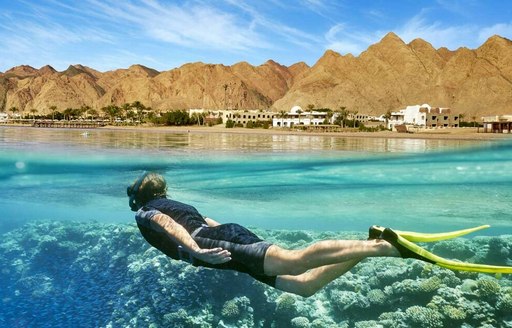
x=147, y=187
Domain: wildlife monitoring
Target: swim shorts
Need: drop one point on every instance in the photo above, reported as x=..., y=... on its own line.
x=247, y=250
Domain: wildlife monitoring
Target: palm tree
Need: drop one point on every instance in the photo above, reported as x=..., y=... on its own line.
x=33, y=111
x=139, y=108
x=282, y=115
x=225, y=86
x=68, y=112
x=474, y=120
x=13, y=110
x=341, y=115
x=310, y=108
x=328, y=116
x=387, y=117
x=93, y=113
x=126, y=108
x=83, y=110
x=299, y=111
x=354, y=117
x=53, y=110
x=112, y=111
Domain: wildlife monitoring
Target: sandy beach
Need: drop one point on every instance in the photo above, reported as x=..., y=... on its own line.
x=444, y=133
x=416, y=133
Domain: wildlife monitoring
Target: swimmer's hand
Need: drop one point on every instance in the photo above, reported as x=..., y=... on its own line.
x=213, y=255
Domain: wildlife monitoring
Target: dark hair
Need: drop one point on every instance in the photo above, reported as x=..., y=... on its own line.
x=153, y=186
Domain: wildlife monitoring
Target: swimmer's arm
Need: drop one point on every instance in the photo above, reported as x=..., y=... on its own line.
x=180, y=235
x=211, y=222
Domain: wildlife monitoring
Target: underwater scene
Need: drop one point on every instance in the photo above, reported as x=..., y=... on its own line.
x=71, y=254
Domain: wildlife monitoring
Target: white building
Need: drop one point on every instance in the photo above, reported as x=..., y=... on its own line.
x=424, y=115
x=237, y=116
x=245, y=116
x=296, y=117
x=3, y=117
x=497, y=124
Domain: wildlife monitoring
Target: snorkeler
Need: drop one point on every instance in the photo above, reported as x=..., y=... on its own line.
x=182, y=233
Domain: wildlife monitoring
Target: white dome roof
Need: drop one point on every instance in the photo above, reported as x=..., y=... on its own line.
x=295, y=109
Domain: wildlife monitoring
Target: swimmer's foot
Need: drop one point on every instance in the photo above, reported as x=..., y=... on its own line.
x=374, y=232
x=406, y=249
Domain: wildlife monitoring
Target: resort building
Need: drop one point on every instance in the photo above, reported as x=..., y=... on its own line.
x=210, y=116
x=361, y=117
x=239, y=117
x=243, y=117
x=497, y=124
x=297, y=116
x=424, y=116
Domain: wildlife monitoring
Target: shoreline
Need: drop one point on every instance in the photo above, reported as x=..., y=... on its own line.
x=469, y=134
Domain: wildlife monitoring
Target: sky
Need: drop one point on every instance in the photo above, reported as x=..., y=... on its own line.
x=165, y=34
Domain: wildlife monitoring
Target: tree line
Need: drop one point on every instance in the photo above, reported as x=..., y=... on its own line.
x=128, y=113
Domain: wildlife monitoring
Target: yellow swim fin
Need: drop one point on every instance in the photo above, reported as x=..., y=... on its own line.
x=410, y=250
x=429, y=237
x=417, y=237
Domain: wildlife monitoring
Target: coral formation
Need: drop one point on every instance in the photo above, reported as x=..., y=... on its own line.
x=285, y=304
x=418, y=316
x=230, y=310
x=57, y=274
x=504, y=303
x=430, y=285
x=376, y=297
x=453, y=313
x=456, y=248
x=487, y=287
x=300, y=322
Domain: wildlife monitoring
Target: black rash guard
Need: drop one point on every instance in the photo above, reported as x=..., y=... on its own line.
x=247, y=249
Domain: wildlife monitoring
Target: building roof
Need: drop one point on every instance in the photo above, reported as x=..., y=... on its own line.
x=296, y=109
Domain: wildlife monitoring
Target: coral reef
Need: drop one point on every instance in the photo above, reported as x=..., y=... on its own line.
x=300, y=322
x=418, y=316
x=58, y=274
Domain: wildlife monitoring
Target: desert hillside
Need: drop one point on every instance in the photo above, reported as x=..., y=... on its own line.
x=387, y=76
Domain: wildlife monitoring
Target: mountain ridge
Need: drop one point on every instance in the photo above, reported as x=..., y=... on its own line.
x=387, y=76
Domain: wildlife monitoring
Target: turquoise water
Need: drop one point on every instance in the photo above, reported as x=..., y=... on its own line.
x=265, y=181
x=71, y=256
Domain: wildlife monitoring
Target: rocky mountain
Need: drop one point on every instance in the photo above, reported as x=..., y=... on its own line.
x=389, y=75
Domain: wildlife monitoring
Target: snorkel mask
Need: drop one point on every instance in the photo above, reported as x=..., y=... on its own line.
x=132, y=191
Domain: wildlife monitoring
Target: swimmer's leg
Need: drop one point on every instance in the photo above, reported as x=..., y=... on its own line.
x=308, y=283
x=279, y=261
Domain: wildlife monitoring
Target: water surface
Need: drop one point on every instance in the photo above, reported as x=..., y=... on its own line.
x=265, y=181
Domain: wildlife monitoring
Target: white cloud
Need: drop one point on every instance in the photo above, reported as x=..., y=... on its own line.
x=435, y=33
x=375, y=14
x=317, y=6
x=344, y=41
x=36, y=37
x=504, y=30
x=460, y=7
x=196, y=26
x=121, y=59
x=452, y=37
x=275, y=29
